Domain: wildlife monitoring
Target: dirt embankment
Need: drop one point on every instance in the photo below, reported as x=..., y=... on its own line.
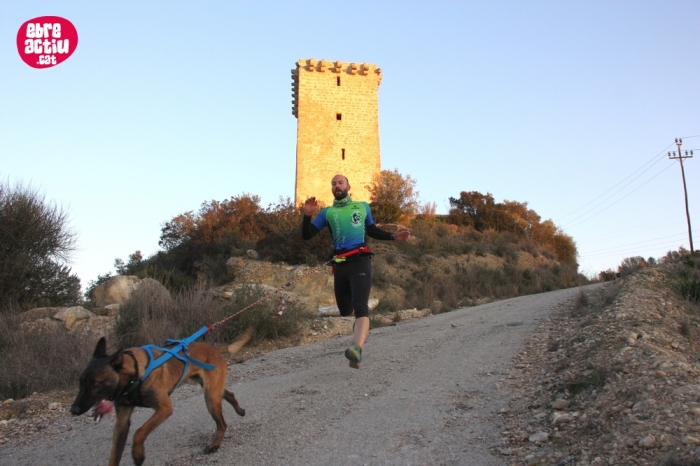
x=611, y=378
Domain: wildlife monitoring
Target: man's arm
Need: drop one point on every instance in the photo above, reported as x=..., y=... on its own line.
x=373, y=231
x=308, y=230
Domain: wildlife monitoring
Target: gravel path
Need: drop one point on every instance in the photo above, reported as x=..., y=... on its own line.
x=425, y=394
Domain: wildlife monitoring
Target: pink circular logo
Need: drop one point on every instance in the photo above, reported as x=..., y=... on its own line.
x=46, y=41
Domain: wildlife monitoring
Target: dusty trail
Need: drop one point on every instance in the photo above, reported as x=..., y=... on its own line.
x=425, y=394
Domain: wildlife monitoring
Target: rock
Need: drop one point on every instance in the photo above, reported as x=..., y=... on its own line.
x=112, y=309
x=690, y=440
x=252, y=254
x=687, y=390
x=539, y=437
x=647, y=442
x=55, y=405
x=76, y=312
x=328, y=310
x=562, y=418
x=37, y=314
x=70, y=321
x=643, y=405
x=116, y=290
x=561, y=404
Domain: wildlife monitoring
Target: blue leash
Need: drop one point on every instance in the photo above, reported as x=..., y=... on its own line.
x=173, y=352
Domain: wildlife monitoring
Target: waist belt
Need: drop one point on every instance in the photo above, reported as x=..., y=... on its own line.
x=338, y=258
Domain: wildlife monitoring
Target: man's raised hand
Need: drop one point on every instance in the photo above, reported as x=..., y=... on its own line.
x=310, y=206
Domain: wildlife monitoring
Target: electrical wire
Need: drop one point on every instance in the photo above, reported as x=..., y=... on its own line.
x=625, y=196
x=637, y=228
x=622, y=181
x=675, y=235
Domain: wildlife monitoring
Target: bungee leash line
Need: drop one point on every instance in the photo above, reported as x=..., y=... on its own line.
x=335, y=259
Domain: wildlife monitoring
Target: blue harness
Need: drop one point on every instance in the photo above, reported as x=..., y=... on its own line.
x=173, y=351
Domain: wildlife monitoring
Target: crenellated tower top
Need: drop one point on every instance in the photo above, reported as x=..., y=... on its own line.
x=311, y=65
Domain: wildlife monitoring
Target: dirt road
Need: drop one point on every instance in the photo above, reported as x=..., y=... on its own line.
x=425, y=394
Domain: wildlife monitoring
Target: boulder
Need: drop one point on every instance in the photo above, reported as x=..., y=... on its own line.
x=76, y=312
x=116, y=290
x=37, y=314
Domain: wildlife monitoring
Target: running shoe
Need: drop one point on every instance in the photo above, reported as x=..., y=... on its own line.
x=354, y=355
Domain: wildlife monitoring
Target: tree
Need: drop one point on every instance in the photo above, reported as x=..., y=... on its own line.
x=214, y=221
x=479, y=211
x=392, y=195
x=35, y=247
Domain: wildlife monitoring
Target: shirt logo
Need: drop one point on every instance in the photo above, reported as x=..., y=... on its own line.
x=356, y=219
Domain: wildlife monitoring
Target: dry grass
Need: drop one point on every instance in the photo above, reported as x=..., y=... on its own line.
x=39, y=360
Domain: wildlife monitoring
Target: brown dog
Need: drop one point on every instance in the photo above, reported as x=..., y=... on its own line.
x=116, y=377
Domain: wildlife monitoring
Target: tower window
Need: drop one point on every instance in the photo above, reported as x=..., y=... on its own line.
x=338, y=116
x=337, y=80
x=342, y=152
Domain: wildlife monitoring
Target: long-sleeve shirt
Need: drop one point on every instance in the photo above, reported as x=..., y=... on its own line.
x=349, y=224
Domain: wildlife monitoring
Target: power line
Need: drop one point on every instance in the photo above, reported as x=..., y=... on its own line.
x=622, y=181
x=632, y=251
x=636, y=228
x=625, y=196
x=637, y=243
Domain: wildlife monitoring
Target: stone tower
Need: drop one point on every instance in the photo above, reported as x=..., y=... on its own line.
x=337, y=113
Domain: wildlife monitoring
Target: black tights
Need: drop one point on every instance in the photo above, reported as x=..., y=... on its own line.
x=352, y=284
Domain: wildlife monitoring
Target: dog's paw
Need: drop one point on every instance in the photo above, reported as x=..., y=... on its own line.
x=211, y=449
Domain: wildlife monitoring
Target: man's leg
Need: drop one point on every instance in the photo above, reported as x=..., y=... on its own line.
x=360, y=283
x=361, y=331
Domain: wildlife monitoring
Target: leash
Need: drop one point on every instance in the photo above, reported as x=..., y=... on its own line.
x=174, y=348
x=335, y=259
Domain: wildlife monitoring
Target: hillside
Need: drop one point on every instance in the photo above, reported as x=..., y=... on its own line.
x=607, y=377
x=611, y=378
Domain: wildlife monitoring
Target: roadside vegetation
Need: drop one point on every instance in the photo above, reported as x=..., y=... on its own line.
x=446, y=266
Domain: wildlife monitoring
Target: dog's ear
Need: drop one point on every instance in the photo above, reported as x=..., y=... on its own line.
x=100, y=349
x=117, y=359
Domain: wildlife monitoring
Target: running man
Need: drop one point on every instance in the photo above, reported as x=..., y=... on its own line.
x=350, y=223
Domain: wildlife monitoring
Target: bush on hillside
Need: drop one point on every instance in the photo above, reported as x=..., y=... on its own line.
x=392, y=195
x=36, y=246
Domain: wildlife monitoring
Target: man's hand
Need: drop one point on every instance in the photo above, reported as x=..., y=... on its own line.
x=401, y=234
x=310, y=206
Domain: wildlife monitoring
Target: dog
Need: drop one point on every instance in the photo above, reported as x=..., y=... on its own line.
x=117, y=377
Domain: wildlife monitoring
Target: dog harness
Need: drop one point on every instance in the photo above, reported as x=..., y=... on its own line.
x=132, y=391
x=174, y=347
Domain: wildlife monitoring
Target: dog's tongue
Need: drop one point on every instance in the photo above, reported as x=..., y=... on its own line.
x=102, y=408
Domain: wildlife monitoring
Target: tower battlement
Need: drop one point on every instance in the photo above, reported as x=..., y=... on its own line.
x=311, y=65
x=337, y=110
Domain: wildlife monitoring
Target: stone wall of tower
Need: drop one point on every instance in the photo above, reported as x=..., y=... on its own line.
x=337, y=110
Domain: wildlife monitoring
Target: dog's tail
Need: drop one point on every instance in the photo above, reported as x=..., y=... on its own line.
x=238, y=343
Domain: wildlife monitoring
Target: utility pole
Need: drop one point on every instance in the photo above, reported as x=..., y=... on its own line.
x=678, y=156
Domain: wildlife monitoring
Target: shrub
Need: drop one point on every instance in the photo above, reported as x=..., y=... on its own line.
x=36, y=247
x=151, y=316
x=28, y=359
x=630, y=265
x=392, y=195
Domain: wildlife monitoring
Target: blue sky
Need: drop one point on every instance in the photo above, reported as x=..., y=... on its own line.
x=164, y=105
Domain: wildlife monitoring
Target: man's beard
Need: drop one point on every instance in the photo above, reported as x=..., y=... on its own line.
x=340, y=194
